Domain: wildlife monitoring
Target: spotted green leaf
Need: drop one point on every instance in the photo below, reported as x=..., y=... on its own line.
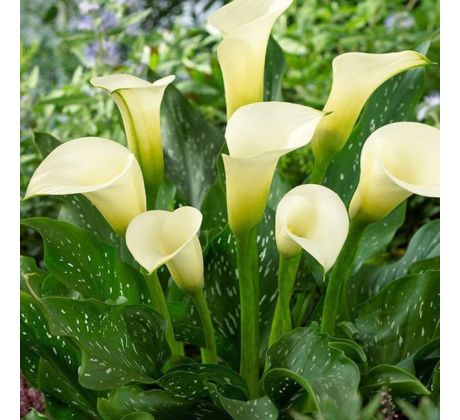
x=138, y=416
x=400, y=381
x=309, y=373
x=87, y=264
x=52, y=360
x=192, y=382
x=30, y=274
x=261, y=408
x=275, y=66
x=119, y=344
x=191, y=147
x=400, y=319
x=161, y=404
x=370, y=279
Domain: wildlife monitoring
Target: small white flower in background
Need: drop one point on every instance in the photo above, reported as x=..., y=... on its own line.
x=399, y=21
x=429, y=103
x=86, y=6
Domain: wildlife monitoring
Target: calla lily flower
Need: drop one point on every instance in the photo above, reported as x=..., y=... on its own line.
x=257, y=136
x=397, y=160
x=102, y=170
x=313, y=218
x=160, y=237
x=355, y=77
x=139, y=103
x=245, y=26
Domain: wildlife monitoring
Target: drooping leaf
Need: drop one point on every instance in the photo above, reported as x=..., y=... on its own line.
x=138, y=416
x=30, y=273
x=310, y=374
x=370, y=279
x=87, y=264
x=119, y=344
x=398, y=380
x=192, y=382
x=261, y=408
x=124, y=400
x=52, y=362
x=400, y=319
x=191, y=147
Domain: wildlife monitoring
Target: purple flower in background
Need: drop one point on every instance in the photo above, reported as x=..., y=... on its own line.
x=87, y=6
x=429, y=103
x=399, y=21
x=85, y=23
x=107, y=51
x=109, y=20
x=30, y=398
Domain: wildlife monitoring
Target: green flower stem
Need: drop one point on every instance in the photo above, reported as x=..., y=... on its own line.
x=319, y=171
x=209, y=354
x=248, y=277
x=160, y=305
x=151, y=193
x=302, y=306
x=338, y=280
x=287, y=272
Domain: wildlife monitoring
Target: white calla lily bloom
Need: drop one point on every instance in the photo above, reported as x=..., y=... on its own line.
x=355, y=76
x=257, y=136
x=313, y=218
x=245, y=26
x=102, y=170
x=397, y=160
x=160, y=237
x=139, y=103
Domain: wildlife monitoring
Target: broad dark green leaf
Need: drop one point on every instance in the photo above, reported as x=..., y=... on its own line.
x=30, y=273
x=378, y=236
x=398, y=380
x=52, y=360
x=87, y=264
x=138, y=416
x=191, y=147
x=306, y=370
x=370, y=279
x=159, y=403
x=275, y=66
x=79, y=211
x=45, y=143
x=400, y=319
x=192, y=381
x=260, y=408
x=119, y=344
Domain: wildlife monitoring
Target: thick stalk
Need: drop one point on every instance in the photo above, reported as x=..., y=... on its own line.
x=338, y=280
x=159, y=304
x=319, y=171
x=248, y=278
x=302, y=307
x=151, y=193
x=209, y=354
x=287, y=272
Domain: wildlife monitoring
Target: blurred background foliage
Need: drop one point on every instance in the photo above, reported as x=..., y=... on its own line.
x=66, y=42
